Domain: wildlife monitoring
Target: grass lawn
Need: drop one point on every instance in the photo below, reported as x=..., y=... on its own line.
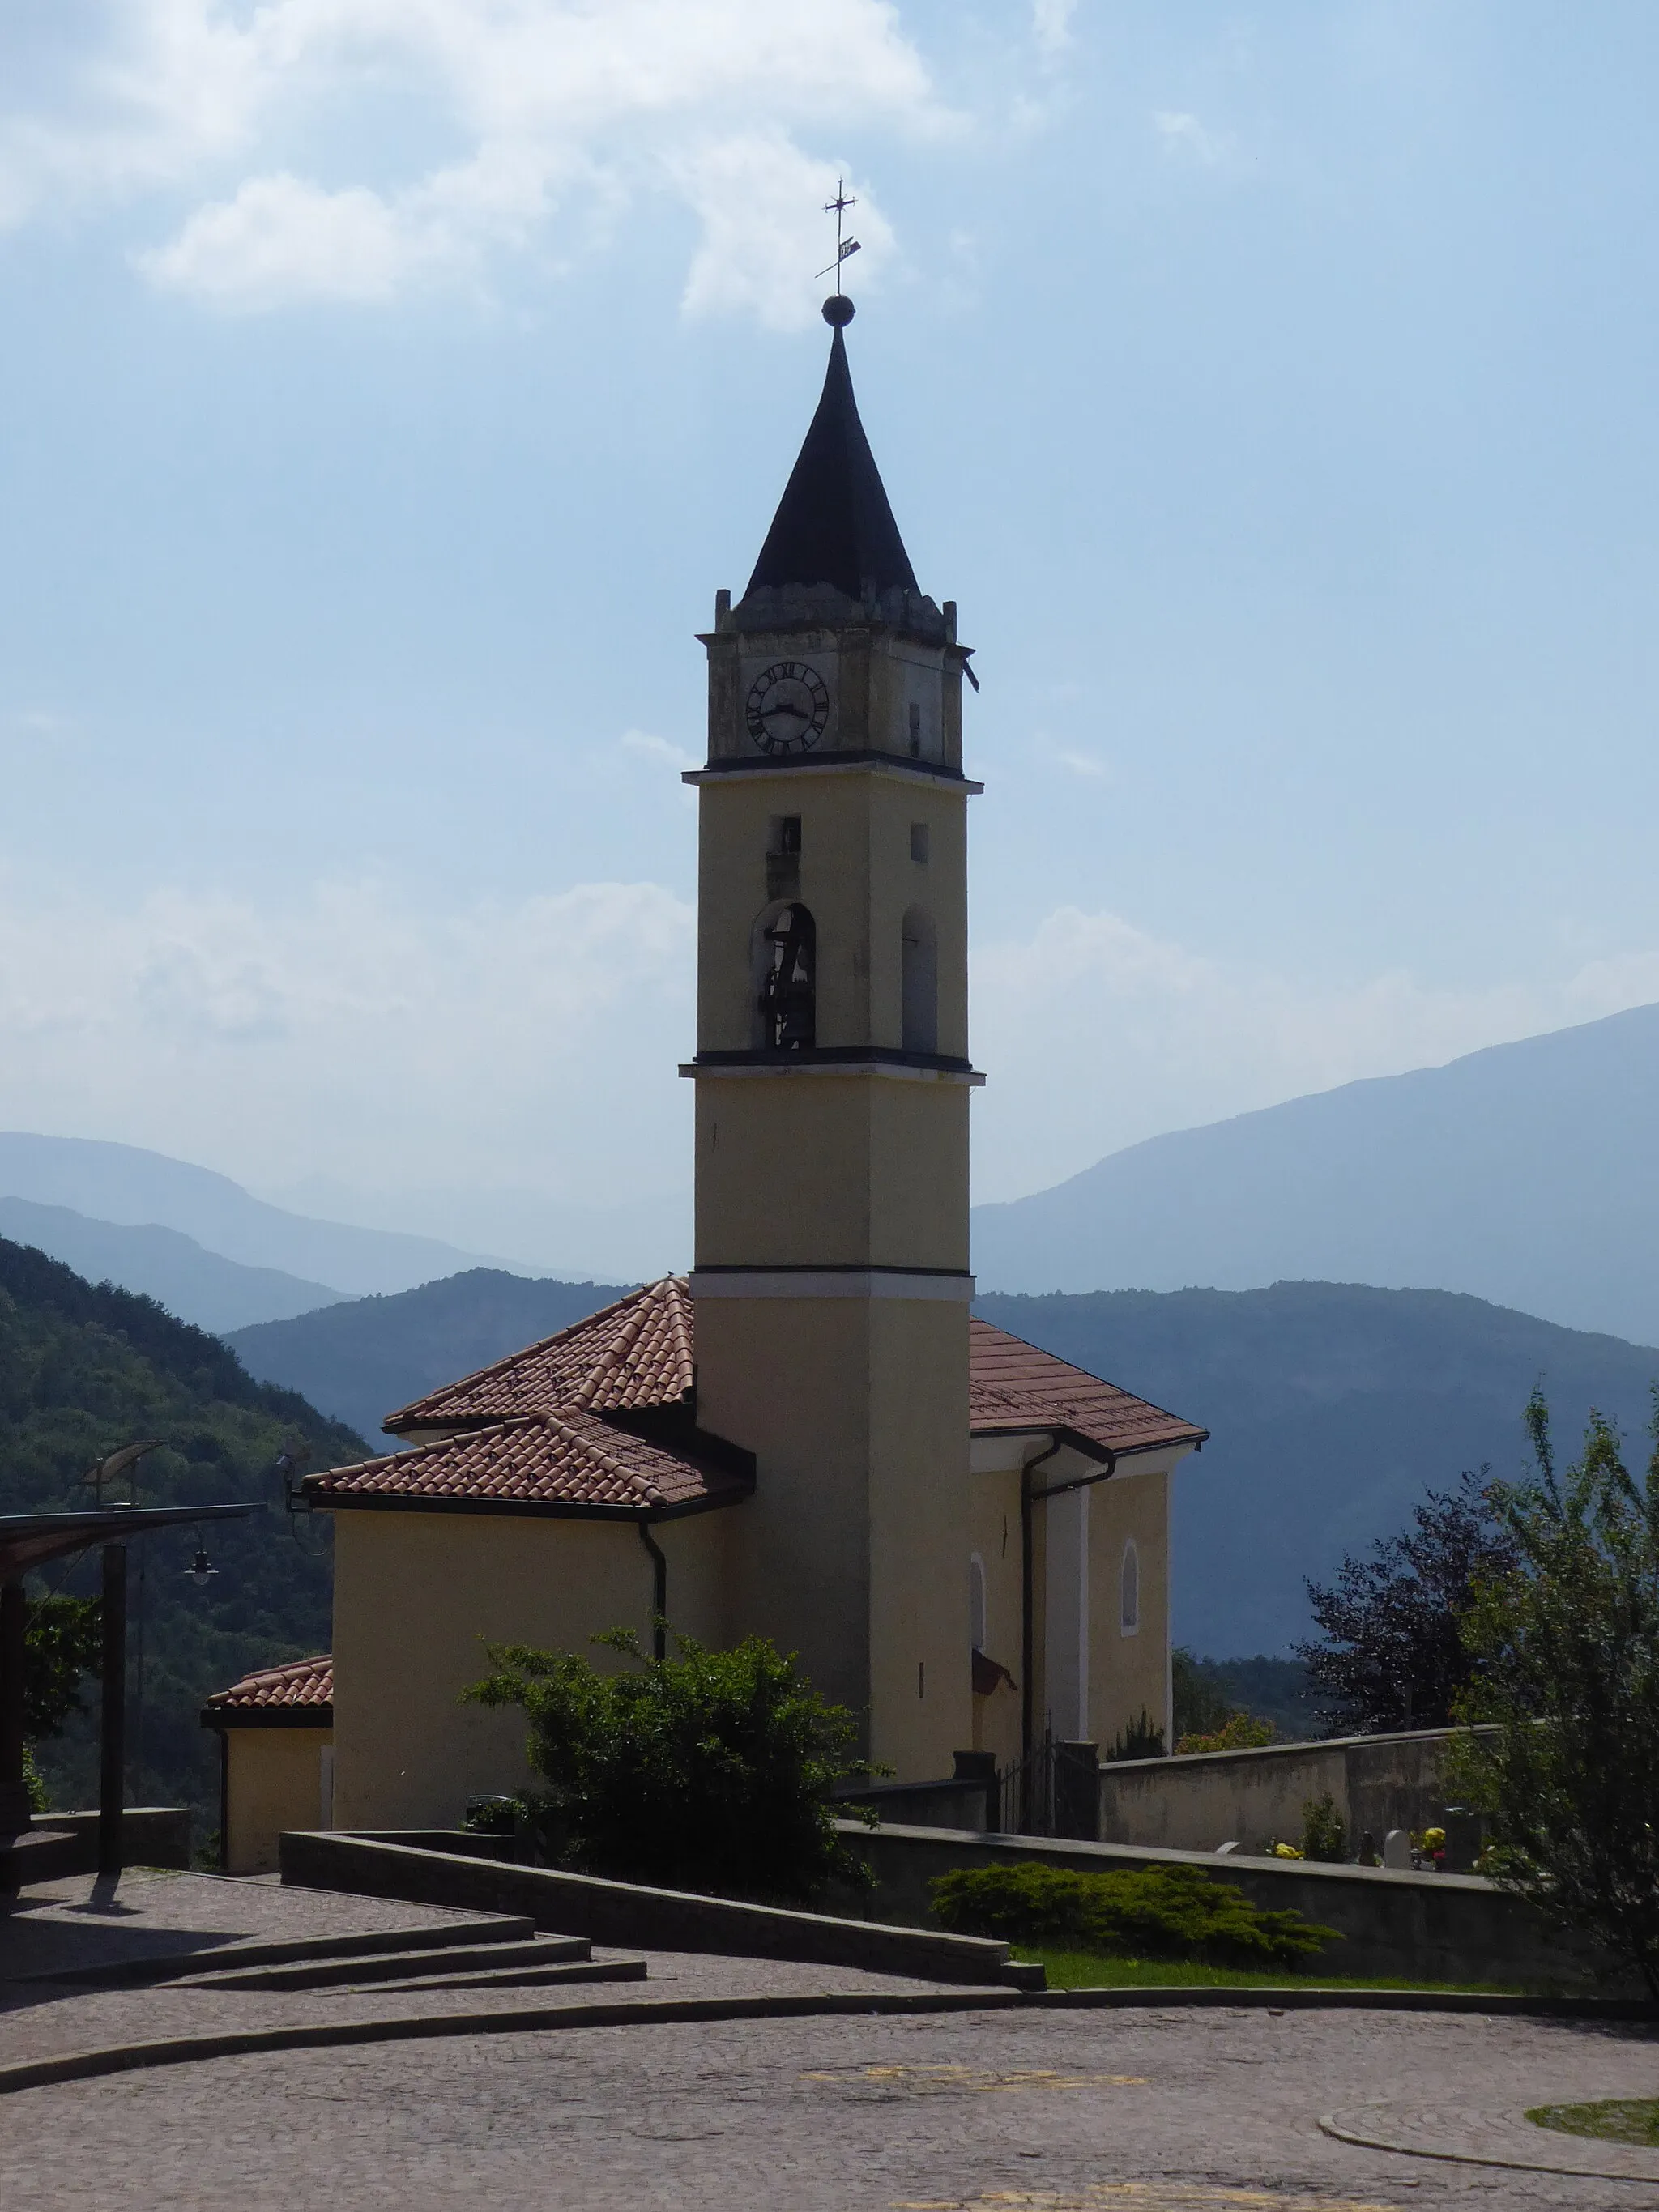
x=1085, y=1970
x=1615, y=2120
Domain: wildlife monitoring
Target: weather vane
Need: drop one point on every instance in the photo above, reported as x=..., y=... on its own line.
x=845, y=247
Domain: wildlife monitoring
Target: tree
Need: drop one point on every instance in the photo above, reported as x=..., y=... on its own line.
x=1564, y=1645
x=1393, y=1654
x=712, y=1771
x=63, y=1642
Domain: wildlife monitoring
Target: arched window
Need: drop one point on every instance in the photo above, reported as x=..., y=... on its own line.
x=977, y=1603
x=920, y=971
x=1128, y=1591
x=787, y=998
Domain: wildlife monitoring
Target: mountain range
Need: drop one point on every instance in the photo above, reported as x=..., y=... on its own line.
x=1526, y=1174
x=124, y=1185
x=362, y=1361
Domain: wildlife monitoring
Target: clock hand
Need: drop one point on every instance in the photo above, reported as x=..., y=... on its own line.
x=785, y=707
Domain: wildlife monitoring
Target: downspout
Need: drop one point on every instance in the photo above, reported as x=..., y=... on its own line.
x=1030, y=1497
x=1027, y=1582
x=658, y=1591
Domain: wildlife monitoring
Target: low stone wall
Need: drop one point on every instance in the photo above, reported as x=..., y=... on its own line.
x=63, y=1844
x=954, y=1804
x=633, y=1917
x=1419, y=1927
x=1255, y=1798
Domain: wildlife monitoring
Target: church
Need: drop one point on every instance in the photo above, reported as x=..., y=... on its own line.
x=809, y=1436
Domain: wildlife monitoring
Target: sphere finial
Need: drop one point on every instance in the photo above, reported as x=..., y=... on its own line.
x=838, y=311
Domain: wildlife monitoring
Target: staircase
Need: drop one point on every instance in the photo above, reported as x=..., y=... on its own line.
x=501, y=1951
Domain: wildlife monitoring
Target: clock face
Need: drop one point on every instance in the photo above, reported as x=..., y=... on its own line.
x=787, y=707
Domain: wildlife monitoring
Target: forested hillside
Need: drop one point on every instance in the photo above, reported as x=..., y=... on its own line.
x=364, y=1359
x=84, y=1369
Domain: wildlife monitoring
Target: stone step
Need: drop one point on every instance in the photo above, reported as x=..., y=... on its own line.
x=172, y=1966
x=355, y=1969
x=516, y=1978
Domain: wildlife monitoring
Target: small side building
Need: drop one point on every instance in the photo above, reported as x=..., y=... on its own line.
x=275, y=1731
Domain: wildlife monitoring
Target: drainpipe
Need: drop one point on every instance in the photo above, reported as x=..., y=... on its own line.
x=1028, y=1497
x=658, y=1591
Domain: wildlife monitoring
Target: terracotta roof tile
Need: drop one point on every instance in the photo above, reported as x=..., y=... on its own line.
x=1012, y=1385
x=635, y=1353
x=301, y=1682
x=570, y=1459
x=543, y=1426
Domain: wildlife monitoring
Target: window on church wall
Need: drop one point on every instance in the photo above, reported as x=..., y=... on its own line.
x=786, y=1001
x=977, y=1603
x=1128, y=1588
x=920, y=982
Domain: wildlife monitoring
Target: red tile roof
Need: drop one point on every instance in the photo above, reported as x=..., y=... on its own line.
x=638, y=1354
x=635, y=1353
x=567, y=1461
x=1013, y=1387
x=302, y=1683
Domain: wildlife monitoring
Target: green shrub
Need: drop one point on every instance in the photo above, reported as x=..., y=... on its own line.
x=1160, y=1912
x=1239, y=1732
x=713, y=1771
x=1142, y=1739
x=1323, y=1835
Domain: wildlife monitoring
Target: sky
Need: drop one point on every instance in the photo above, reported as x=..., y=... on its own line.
x=389, y=385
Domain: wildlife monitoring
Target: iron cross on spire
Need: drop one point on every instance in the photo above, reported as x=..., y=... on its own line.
x=845, y=247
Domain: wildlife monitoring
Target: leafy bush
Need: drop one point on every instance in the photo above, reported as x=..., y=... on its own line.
x=711, y=1772
x=63, y=1641
x=1160, y=1912
x=1324, y=1837
x=1142, y=1739
x=1241, y=1732
x=1563, y=1650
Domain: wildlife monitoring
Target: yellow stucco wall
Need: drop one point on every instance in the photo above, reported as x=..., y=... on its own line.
x=418, y=1596
x=993, y=1532
x=274, y=1783
x=1129, y=1674
x=853, y=1549
x=831, y=1170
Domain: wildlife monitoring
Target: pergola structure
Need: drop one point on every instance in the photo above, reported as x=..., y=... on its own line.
x=29, y=1541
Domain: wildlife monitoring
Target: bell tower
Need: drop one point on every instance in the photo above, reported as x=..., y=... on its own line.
x=832, y=1078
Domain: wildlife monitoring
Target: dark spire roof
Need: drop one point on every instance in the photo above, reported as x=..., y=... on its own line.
x=833, y=524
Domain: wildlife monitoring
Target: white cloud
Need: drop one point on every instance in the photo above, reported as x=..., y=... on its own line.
x=359, y=1034
x=1095, y=1034
x=1184, y=136
x=506, y=110
x=760, y=202
x=658, y=750
x=1051, y=23
x=282, y=239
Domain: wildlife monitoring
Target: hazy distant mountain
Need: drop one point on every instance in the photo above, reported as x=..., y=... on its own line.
x=1528, y=1174
x=362, y=1361
x=196, y=1285
x=125, y=1185
x=1331, y=1407
x=645, y=1236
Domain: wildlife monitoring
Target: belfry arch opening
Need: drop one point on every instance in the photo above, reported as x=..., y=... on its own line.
x=785, y=978
x=919, y=967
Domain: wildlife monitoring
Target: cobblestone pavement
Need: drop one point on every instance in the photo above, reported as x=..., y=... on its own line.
x=173, y=1913
x=1056, y=2112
